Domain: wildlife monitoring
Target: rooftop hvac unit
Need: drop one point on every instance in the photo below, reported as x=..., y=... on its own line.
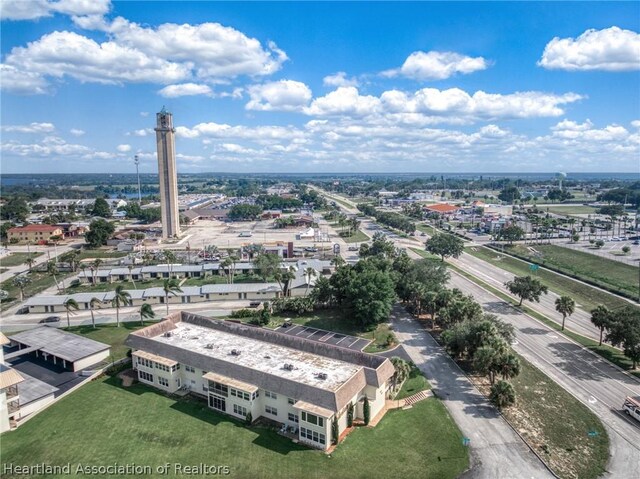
x=209, y=346
x=288, y=367
x=167, y=334
x=321, y=375
x=235, y=352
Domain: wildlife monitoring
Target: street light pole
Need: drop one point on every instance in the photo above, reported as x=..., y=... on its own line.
x=136, y=160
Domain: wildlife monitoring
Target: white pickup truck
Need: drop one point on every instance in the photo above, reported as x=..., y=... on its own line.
x=632, y=407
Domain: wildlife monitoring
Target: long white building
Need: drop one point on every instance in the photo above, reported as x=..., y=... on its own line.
x=300, y=384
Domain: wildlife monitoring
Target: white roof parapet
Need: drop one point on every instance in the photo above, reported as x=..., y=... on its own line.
x=234, y=383
x=313, y=409
x=155, y=358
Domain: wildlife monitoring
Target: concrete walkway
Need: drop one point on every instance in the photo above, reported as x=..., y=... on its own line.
x=496, y=450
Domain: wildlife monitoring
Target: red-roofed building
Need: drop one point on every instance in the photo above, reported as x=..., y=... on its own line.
x=442, y=208
x=33, y=233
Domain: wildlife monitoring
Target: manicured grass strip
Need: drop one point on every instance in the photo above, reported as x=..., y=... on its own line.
x=615, y=276
x=357, y=237
x=565, y=444
x=569, y=209
x=586, y=296
x=383, y=339
x=103, y=423
x=17, y=259
x=415, y=383
x=607, y=352
x=89, y=254
x=39, y=282
x=109, y=334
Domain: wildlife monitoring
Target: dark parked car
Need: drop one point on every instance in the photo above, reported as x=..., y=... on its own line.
x=50, y=319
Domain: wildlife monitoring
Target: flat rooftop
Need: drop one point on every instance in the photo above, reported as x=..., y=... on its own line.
x=261, y=356
x=61, y=344
x=32, y=389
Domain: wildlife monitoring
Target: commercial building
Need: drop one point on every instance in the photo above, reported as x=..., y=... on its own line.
x=168, y=175
x=34, y=233
x=302, y=385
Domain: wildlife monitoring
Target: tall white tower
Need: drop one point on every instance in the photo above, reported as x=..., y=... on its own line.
x=165, y=140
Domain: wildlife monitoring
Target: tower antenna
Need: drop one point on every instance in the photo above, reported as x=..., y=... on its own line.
x=136, y=160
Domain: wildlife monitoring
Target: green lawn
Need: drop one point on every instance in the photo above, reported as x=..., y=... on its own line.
x=39, y=282
x=357, y=237
x=415, y=383
x=424, y=228
x=17, y=259
x=586, y=296
x=102, y=287
x=557, y=425
x=608, y=273
x=569, y=209
x=89, y=254
x=103, y=423
x=109, y=334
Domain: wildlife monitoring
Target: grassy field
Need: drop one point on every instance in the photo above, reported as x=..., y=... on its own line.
x=17, y=259
x=586, y=296
x=335, y=320
x=424, y=228
x=415, y=383
x=89, y=254
x=109, y=334
x=357, y=237
x=569, y=209
x=608, y=273
x=39, y=282
x=557, y=425
x=103, y=423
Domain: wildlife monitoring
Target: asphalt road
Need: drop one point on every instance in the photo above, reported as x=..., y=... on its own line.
x=496, y=450
x=579, y=321
x=593, y=381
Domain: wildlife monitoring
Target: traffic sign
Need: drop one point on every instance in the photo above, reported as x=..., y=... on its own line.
x=534, y=267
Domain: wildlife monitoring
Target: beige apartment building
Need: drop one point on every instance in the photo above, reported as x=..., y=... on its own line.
x=300, y=384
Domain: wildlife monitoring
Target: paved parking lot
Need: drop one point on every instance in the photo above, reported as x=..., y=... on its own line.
x=323, y=336
x=47, y=372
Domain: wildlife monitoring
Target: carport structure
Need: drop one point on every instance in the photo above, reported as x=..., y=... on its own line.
x=67, y=350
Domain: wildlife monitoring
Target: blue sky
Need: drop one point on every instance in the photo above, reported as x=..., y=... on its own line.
x=342, y=87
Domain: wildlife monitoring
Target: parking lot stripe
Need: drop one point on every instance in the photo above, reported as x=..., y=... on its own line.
x=300, y=332
x=326, y=337
x=342, y=339
x=357, y=339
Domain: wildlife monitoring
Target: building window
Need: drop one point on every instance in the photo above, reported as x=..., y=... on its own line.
x=269, y=394
x=189, y=369
x=163, y=382
x=293, y=417
x=218, y=403
x=255, y=395
x=239, y=394
x=291, y=401
x=145, y=376
x=219, y=388
x=271, y=410
x=204, y=387
x=313, y=419
x=241, y=411
x=312, y=436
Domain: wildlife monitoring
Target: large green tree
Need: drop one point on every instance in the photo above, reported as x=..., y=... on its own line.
x=369, y=293
x=601, y=319
x=509, y=194
x=99, y=232
x=526, y=287
x=266, y=265
x=624, y=331
x=510, y=233
x=445, y=245
x=101, y=208
x=15, y=209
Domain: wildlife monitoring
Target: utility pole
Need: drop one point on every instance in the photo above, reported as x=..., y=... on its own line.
x=136, y=160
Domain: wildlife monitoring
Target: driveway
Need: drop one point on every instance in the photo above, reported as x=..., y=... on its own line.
x=496, y=450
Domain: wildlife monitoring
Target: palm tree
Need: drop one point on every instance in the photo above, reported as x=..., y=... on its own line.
x=234, y=259
x=146, y=312
x=52, y=269
x=83, y=268
x=226, y=268
x=565, y=306
x=70, y=304
x=287, y=277
x=170, y=286
x=120, y=298
x=130, y=267
x=601, y=319
x=21, y=282
x=337, y=261
x=170, y=258
x=502, y=394
x=308, y=274
x=96, y=264
x=30, y=262
x=509, y=366
x=95, y=302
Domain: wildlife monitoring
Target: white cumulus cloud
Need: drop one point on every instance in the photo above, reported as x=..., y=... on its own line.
x=123, y=148
x=76, y=132
x=435, y=65
x=339, y=79
x=285, y=95
x=34, y=9
x=34, y=127
x=184, y=89
x=611, y=49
